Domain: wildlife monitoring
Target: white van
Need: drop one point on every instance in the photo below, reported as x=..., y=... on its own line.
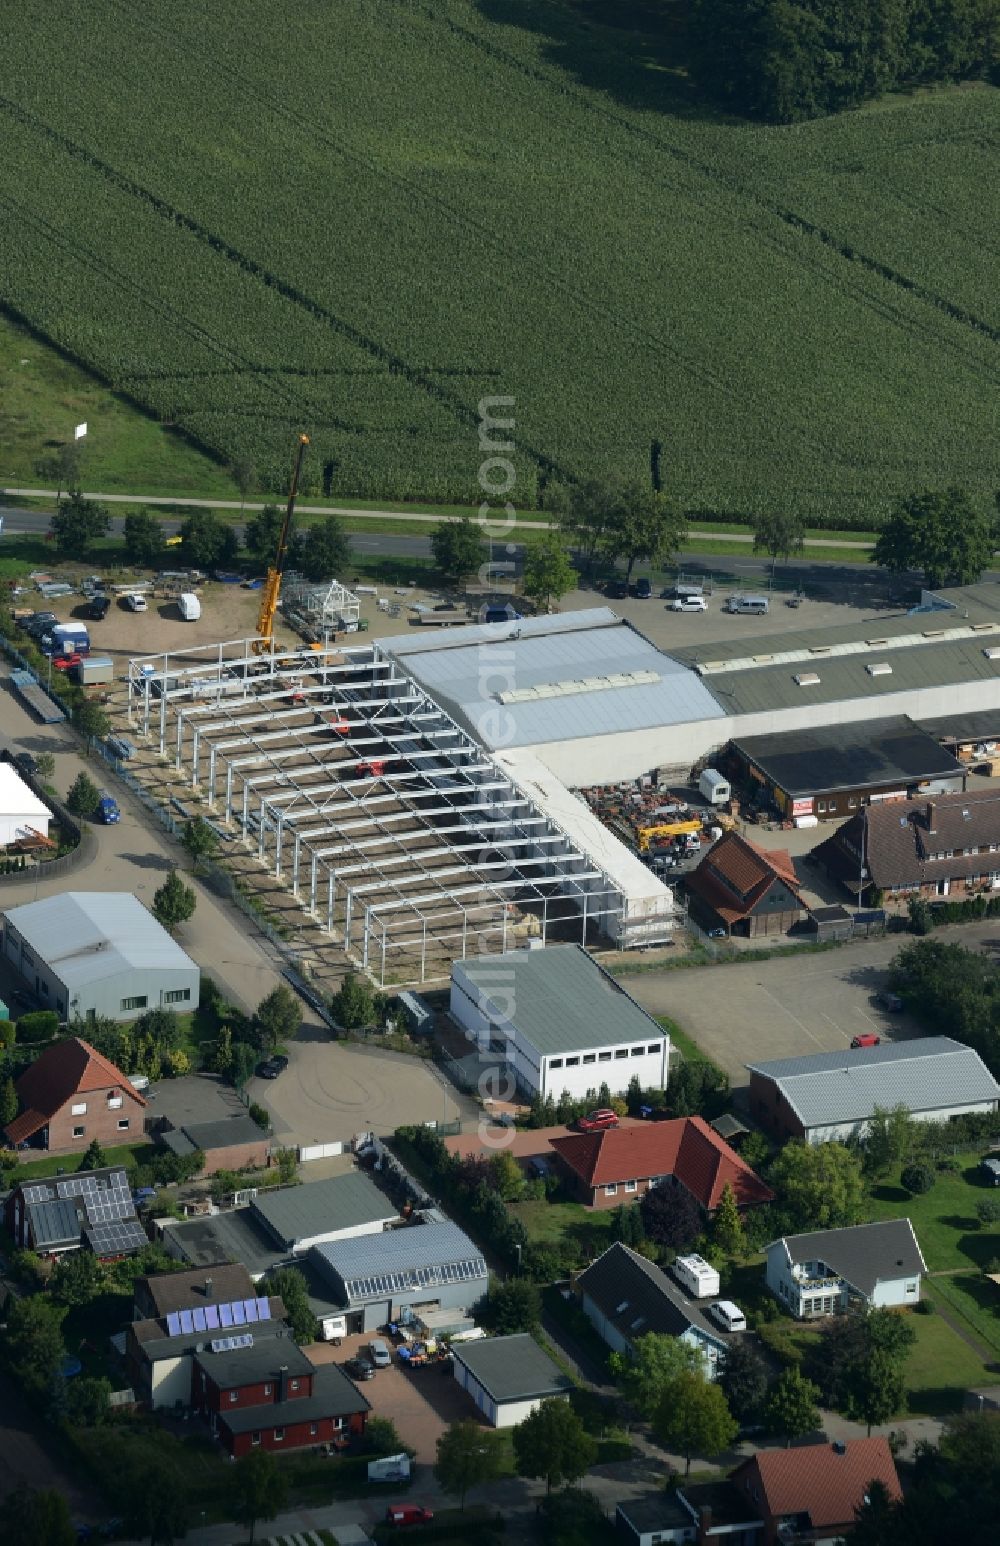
x=728, y=1315
x=136, y=602
x=189, y=606
x=758, y=604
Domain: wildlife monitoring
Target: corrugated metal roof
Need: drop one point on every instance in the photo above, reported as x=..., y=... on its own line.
x=322, y=1207
x=928, y=1074
x=562, y=1000
x=466, y=678
x=424, y=641
x=85, y=936
x=420, y=1245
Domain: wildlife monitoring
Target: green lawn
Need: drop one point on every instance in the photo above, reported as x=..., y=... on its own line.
x=50, y=1164
x=973, y=1297
x=944, y=1218
x=549, y=1223
x=43, y=397
x=688, y=1049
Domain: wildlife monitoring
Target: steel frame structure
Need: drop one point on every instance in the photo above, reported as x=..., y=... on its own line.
x=323, y=609
x=388, y=824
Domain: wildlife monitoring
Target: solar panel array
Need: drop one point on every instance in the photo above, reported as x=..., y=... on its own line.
x=117, y=1237
x=213, y=1317
x=227, y=1344
x=415, y=1277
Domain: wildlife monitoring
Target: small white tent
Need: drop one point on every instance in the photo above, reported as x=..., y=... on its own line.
x=22, y=813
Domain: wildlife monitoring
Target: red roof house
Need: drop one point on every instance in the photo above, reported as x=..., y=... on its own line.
x=71, y=1095
x=815, y=1488
x=618, y=1165
x=745, y=888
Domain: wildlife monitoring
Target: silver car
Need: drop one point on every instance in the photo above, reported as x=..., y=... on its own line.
x=378, y=1352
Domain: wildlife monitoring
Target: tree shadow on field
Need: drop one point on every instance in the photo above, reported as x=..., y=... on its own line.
x=635, y=51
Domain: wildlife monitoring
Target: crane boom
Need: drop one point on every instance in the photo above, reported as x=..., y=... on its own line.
x=272, y=585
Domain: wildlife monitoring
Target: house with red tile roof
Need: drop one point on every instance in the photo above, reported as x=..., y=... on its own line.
x=812, y=1492
x=744, y=889
x=620, y=1164
x=71, y=1095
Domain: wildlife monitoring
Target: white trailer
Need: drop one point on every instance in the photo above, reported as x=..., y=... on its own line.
x=715, y=789
x=697, y=1275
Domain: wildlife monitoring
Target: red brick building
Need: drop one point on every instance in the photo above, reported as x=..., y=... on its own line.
x=71, y=1095
x=815, y=1490
x=267, y=1395
x=745, y=889
x=945, y=846
x=619, y=1165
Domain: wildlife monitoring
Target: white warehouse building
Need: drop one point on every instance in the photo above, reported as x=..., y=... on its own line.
x=22, y=813
x=88, y=953
x=553, y=1020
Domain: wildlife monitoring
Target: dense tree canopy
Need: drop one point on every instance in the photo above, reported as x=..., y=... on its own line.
x=788, y=60
x=954, y=990
x=941, y=535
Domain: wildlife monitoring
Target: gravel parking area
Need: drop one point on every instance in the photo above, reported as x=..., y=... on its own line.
x=788, y=1007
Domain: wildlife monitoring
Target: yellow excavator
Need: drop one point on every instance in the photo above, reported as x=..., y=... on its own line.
x=648, y=835
x=264, y=643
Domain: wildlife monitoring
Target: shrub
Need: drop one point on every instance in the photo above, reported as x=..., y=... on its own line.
x=259, y=1115
x=38, y=1025
x=988, y=1211
x=924, y=1307
x=918, y=1178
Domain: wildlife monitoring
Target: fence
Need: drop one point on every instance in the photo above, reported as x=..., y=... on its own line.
x=319, y=1151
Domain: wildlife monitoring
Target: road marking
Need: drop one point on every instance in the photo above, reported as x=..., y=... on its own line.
x=788, y=1012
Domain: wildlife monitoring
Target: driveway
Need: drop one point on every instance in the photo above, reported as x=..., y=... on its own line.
x=332, y=1090
x=421, y=1403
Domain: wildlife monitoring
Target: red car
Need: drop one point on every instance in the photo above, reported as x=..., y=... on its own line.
x=64, y=662
x=407, y=1514
x=597, y=1121
x=866, y=1039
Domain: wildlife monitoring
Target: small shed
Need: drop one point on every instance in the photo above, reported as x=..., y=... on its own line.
x=830, y=923
x=508, y=1377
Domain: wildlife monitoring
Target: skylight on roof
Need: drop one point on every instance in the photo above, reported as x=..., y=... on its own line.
x=806, y=679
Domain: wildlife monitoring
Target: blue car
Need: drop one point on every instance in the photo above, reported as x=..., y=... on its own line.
x=107, y=810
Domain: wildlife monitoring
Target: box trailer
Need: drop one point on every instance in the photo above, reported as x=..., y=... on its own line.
x=93, y=669
x=189, y=606
x=713, y=787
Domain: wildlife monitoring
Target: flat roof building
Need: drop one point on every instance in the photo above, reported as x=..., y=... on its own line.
x=558, y=1021
x=98, y=953
x=299, y=1217
x=231, y=1143
x=508, y=1377
x=830, y=770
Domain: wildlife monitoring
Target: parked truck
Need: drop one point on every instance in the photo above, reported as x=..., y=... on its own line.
x=71, y=639
x=27, y=686
x=93, y=669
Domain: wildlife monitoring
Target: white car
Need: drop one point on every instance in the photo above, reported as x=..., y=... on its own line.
x=136, y=602
x=688, y=604
x=378, y=1352
x=728, y=1315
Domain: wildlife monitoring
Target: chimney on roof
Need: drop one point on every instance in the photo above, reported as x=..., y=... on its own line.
x=208, y=1288
x=931, y=816
x=704, y=1523
x=283, y=1383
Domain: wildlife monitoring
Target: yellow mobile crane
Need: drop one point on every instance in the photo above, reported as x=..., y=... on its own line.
x=272, y=585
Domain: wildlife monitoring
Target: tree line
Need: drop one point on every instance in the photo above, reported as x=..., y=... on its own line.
x=789, y=60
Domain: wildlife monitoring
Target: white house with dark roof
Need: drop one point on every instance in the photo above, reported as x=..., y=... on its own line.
x=625, y=1297
x=833, y=1095
x=557, y=1021
x=830, y=1270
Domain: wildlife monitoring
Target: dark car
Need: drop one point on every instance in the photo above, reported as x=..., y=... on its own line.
x=39, y=623
x=279, y=1061
x=359, y=1369
x=268, y=1070
x=616, y=589
x=643, y=589
x=25, y=761
x=99, y=607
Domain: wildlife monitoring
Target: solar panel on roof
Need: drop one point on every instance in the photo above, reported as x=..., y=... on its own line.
x=225, y=1315
x=212, y=1316
x=239, y=1313
x=250, y=1309
x=173, y=1324
x=200, y=1323
x=264, y=1309
x=187, y=1321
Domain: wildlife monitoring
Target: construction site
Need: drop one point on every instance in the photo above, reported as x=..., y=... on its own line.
x=384, y=821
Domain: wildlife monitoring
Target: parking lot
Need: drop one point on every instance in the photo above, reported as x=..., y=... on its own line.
x=421, y=1402
x=332, y=1090
x=754, y=1010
